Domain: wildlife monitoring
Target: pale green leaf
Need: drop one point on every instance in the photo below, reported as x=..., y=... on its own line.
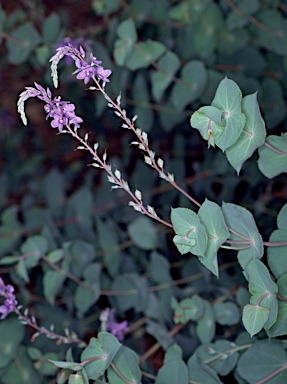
x=273, y=161
x=254, y=318
x=252, y=137
x=265, y=359
x=127, y=38
x=125, y=362
x=166, y=69
x=193, y=81
x=188, y=227
x=241, y=221
x=228, y=100
x=144, y=53
x=211, y=216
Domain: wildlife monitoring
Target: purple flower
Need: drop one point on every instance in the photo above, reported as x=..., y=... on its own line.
x=62, y=112
x=85, y=71
x=75, y=121
x=10, y=302
x=103, y=74
x=59, y=121
x=68, y=109
x=118, y=329
x=94, y=61
x=77, y=43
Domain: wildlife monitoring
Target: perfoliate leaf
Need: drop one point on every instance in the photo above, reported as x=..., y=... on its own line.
x=144, y=53
x=190, y=233
x=127, y=38
x=228, y=100
x=209, y=122
x=252, y=137
x=254, y=318
x=211, y=216
x=265, y=359
x=193, y=81
x=273, y=161
x=160, y=79
x=242, y=227
x=125, y=368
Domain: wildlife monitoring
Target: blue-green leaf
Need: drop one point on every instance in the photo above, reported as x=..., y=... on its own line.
x=211, y=216
x=273, y=156
x=264, y=359
x=191, y=235
x=243, y=228
x=252, y=137
x=254, y=318
x=228, y=100
x=166, y=69
x=99, y=354
x=193, y=81
x=144, y=53
x=127, y=38
x=125, y=365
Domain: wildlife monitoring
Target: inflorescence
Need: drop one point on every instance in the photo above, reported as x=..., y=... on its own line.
x=10, y=302
x=109, y=323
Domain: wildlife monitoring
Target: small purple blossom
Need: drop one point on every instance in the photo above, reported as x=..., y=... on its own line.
x=84, y=71
x=109, y=324
x=10, y=302
x=103, y=74
x=59, y=121
x=77, y=43
x=61, y=112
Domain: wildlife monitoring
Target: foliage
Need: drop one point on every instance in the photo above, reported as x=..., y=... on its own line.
x=186, y=287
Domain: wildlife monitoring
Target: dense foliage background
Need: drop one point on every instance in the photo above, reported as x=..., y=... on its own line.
x=71, y=247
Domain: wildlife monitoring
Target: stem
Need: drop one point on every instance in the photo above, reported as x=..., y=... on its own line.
x=48, y=333
x=282, y=298
x=275, y=243
x=83, y=363
x=103, y=165
x=274, y=149
x=142, y=142
x=156, y=346
x=267, y=378
x=261, y=298
x=252, y=19
x=227, y=352
x=235, y=248
x=120, y=374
